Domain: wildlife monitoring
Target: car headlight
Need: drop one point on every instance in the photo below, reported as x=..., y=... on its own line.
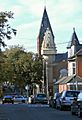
x=45, y=98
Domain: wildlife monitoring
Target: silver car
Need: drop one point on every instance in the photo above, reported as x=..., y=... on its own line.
x=66, y=98
x=76, y=106
x=19, y=99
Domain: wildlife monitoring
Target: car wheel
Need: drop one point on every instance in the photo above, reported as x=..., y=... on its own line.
x=23, y=101
x=12, y=102
x=2, y=102
x=73, y=113
x=50, y=105
x=56, y=106
x=61, y=107
x=53, y=106
x=79, y=113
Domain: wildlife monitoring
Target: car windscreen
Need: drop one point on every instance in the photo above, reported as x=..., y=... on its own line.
x=41, y=95
x=72, y=93
x=18, y=96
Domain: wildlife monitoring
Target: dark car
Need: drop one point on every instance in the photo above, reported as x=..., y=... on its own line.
x=7, y=99
x=76, y=106
x=53, y=99
x=66, y=98
x=40, y=98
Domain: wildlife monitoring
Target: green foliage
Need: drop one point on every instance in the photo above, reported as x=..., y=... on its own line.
x=21, y=67
x=5, y=28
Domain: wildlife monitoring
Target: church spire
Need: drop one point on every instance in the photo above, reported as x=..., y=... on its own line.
x=45, y=23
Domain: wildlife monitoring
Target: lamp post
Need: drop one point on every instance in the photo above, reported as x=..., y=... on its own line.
x=43, y=77
x=47, y=81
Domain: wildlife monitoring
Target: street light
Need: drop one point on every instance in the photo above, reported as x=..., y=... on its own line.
x=43, y=77
x=47, y=81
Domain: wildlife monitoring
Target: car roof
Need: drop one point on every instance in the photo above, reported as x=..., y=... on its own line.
x=70, y=91
x=7, y=96
x=18, y=96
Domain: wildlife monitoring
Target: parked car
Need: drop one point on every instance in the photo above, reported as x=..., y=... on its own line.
x=66, y=98
x=26, y=98
x=76, y=106
x=52, y=100
x=19, y=99
x=7, y=99
x=40, y=98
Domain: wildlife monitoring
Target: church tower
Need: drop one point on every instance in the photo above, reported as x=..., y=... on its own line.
x=46, y=49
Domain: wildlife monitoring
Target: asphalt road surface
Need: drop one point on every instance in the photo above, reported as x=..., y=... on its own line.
x=33, y=112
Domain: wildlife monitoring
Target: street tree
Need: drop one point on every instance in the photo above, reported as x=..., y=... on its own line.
x=22, y=67
x=5, y=29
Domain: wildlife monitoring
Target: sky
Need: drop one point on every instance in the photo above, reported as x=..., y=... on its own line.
x=64, y=15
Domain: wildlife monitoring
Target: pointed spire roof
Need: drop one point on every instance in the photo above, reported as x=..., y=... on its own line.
x=44, y=25
x=74, y=40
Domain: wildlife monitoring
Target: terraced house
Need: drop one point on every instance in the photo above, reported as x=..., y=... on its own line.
x=74, y=79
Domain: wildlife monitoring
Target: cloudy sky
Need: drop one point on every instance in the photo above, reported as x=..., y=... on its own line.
x=63, y=16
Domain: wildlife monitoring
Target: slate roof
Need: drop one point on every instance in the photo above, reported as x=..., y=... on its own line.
x=76, y=78
x=44, y=25
x=74, y=40
x=61, y=80
x=69, y=79
x=78, y=48
x=60, y=57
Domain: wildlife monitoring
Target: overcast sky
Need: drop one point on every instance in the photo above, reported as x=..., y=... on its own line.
x=63, y=16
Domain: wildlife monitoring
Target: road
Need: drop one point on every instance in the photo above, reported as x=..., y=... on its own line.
x=33, y=112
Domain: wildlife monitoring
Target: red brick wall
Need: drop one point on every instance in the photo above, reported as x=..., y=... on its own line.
x=79, y=66
x=62, y=87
